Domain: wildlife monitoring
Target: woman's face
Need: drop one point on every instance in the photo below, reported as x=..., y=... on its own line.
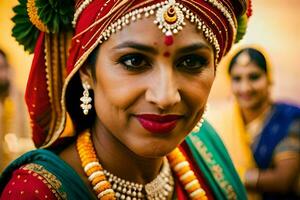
x=250, y=85
x=148, y=95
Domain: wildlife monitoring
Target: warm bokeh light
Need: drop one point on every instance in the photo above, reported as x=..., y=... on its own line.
x=18, y=59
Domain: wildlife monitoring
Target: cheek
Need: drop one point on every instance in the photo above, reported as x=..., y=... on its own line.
x=234, y=87
x=261, y=85
x=116, y=88
x=197, y=89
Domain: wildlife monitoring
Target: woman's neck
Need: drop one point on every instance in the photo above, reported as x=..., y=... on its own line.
x=121, y=161
x=250, y=114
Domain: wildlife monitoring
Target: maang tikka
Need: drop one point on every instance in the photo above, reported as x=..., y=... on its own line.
x=86, y=99
x=170, y=19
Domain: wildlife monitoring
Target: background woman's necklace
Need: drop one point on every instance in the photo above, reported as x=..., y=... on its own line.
x=159, y=189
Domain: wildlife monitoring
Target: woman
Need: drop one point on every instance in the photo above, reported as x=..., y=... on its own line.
x=265, y=134
x=134, y=91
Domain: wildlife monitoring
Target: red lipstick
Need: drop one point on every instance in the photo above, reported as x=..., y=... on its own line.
x=158, y=123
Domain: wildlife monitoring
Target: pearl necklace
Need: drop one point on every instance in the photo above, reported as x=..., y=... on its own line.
x=158, y=189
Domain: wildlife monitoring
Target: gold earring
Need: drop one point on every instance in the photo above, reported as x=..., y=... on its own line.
x=86, y=99
x=198, y=126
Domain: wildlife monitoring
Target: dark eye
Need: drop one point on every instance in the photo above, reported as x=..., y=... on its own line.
x=236, y=78
x=134, y=62
x=192, y=62
x=254, y=76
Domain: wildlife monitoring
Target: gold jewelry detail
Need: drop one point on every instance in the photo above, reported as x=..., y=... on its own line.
x=80, y=9
x=34, y=18
x=86, y=99
x=198, y=126
x=170, y=15
x=160, y=188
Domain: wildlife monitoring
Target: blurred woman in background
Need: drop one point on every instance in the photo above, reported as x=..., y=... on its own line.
x=262, y=136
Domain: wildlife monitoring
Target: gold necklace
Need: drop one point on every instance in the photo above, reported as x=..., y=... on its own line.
x=160, y=188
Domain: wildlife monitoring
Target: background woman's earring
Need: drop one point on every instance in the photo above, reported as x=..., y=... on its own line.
x=196, y=129
x=86, y=99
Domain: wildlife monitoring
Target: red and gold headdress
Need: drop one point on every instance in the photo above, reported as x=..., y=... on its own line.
x=46, y=27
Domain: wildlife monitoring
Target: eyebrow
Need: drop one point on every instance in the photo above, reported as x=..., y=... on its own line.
x=192, y=48
x=149, y=49
x=138, y=46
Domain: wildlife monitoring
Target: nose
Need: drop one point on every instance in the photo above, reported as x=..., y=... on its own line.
x=245, y=86
x=163, y=89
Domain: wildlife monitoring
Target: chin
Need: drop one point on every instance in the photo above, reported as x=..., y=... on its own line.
x=155, y=150
x=251, y=105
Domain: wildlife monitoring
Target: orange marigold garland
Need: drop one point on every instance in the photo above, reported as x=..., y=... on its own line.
x=186, y=175
x=93, y=168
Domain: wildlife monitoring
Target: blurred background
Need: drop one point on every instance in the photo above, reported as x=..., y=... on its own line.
x=275, y=25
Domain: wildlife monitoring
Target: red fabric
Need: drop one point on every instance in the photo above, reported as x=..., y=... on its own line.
x=249, y=10
x=24, y=185
x=36, y=96
x=188, y=155
x=179, y=190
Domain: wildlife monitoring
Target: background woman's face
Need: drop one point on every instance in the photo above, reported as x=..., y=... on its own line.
x=140, y=80
x=250, y=85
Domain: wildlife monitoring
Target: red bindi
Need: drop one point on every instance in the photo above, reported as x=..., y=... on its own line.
x=169, y=40
x=167, y=54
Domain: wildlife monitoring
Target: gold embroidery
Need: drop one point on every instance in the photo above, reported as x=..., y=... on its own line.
x=215, y=168
x=48, y=178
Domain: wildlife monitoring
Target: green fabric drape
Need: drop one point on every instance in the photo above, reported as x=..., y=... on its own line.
x=214, y=162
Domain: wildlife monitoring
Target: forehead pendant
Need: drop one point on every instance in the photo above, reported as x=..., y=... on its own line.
x=170, y=19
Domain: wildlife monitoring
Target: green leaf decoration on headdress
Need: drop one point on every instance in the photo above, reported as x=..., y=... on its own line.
x=57, y=15
x=242, y=27
x=33, y=16
x=24, y=31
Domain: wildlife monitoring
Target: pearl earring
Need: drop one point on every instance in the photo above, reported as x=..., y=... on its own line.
x=86, y=99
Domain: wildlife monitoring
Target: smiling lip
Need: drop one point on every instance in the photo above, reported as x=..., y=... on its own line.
x=245, y=96
x=158, y=123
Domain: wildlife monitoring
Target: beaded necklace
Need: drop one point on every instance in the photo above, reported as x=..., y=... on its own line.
x=116, y=188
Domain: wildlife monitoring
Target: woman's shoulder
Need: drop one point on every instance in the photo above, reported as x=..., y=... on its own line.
x=32, y=181
x=287, y=107
x=30, y=177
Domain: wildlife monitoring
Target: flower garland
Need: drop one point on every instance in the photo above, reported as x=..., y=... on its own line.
x=102, y=187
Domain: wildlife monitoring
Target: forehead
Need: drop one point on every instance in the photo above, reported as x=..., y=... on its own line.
x=238, y=69
x=145, y=31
